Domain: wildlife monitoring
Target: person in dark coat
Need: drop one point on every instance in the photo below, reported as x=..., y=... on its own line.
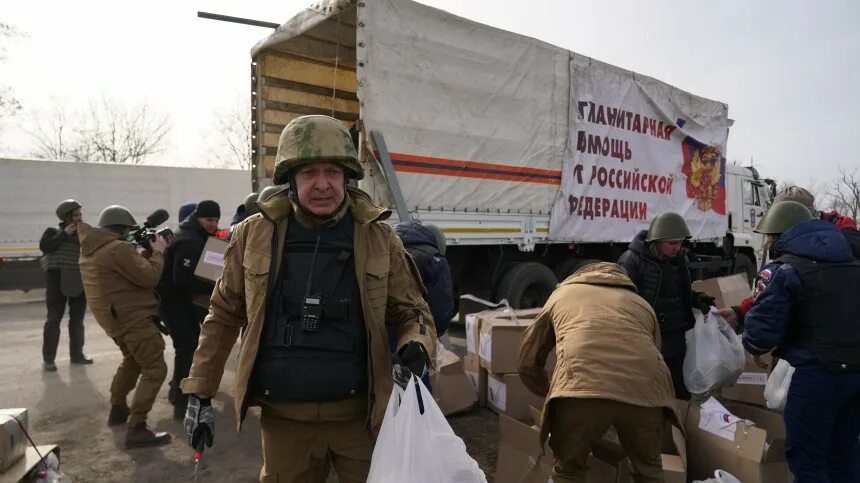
x=805, y=311
x=428, y=251
x=657, y=263
x=61, y=249
x=185, y=298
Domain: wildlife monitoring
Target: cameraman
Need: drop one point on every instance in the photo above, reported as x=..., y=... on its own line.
x=184, y=298
x=120, y=283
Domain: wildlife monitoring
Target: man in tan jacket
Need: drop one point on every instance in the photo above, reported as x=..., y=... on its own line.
x=609, y=372
x=311, y=283
x=120, y=285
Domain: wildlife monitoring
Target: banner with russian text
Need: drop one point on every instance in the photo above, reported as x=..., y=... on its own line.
x=638, y=147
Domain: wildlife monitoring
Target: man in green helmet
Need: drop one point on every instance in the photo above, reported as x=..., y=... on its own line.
x=120, y=284
x=805, y=310
x=311, y=283
x=657, y=263
x=61, y=249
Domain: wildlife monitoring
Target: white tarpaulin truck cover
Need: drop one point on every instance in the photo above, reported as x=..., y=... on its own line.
x=475, y=117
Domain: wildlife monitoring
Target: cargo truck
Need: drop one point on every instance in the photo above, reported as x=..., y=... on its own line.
x=531, y=158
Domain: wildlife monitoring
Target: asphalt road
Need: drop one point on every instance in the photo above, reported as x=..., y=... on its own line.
x=70, y=407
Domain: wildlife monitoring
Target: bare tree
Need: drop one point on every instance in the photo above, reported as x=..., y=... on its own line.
x=229, y=139
x=9, y=104
x=105, y=131
x=845, y=192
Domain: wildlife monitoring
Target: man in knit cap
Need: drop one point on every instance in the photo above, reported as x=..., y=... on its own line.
x=61, y=250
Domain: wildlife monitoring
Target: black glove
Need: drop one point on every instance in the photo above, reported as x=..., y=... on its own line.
x=200, y=422
x=704, y=302
x=410, y=359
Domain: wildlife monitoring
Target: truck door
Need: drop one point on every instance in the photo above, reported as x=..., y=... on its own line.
x=752, y=206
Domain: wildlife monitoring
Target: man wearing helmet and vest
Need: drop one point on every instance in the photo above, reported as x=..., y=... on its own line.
x=657, y=263
x=310, y=282
x=805, y=311
x=735, y=315
x=120, y=284
x=61, y=249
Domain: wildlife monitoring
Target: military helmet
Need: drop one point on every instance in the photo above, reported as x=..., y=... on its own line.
x=115, y=215
x=781, y=216
x=668, y=226
x=268, y=191
x=66, y=208
x=250, y=204
x=798, y=194
x=440, y=237
x=308, y=139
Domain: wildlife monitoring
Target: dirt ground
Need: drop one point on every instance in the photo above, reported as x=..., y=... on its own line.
x=69, y=408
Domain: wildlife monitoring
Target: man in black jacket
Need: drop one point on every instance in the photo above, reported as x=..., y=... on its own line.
x=184, y=298
x=61, y=250
x=657, y=263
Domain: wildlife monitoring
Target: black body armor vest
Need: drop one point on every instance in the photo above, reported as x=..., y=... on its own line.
x=314, y=343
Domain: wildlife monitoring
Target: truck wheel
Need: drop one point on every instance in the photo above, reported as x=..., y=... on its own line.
x=743, y=264
x=526, y=285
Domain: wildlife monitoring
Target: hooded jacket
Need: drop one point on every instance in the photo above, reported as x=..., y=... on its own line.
x=606, y=341
x=119, y=281
x=388, y=284
x=178, y=281
x=778, y=285
x=435, y=271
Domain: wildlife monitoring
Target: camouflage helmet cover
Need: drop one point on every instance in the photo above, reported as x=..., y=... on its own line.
x=116, y=215
x=66, y=208
x=668, y=226
x=782, y=216
x=308, y=139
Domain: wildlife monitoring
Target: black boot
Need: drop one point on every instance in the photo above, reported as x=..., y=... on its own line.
x=140, y=437
x=118, y=415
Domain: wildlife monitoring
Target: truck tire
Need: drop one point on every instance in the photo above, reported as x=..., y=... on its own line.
x=744, y=264
x=526, y=285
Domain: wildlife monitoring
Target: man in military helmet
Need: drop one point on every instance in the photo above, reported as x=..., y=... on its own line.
x=184, y=297
x=657, y=263
x=735, y=314
x=120, y=284
x=310, y=284
x=805, y=311
x=61, y=249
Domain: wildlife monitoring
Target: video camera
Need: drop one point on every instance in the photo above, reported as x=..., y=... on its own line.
x=148, y=232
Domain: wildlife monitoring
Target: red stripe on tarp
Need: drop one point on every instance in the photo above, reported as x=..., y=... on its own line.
x=473, y=169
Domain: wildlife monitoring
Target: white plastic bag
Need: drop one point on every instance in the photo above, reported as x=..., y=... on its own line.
x=419, y=448
x=776, y=389
x=715, y=356
x=720, y=476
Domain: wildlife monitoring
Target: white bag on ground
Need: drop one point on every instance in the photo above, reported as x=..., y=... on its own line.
x=720, y=476
x=715, y=356
x=776, y=389
x=419, y=448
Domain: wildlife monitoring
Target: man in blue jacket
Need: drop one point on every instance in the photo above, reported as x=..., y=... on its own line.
x=806, y=310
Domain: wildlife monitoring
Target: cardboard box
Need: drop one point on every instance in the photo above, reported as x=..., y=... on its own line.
x=478, y=377
x=451, y=387
x=756, y=454
x=727, y=291
x=500, y=337
x=506, y=394
x=750, y=386
x=13, y=443
x=211, y=262
x=473, y=323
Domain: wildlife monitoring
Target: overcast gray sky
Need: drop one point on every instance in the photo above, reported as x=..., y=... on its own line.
x=789, y=70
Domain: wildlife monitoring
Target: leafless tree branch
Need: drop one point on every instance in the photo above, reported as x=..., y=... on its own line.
x=229, y=139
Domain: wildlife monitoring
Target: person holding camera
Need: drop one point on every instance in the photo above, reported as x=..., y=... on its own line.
x=311, y=284
x=185, y=298
x=61, y=249
x=120, y=284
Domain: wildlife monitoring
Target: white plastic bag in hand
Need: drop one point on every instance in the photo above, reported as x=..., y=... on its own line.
x=776, y=390
x=720, y=476
x=715, y=356
x=419, y=448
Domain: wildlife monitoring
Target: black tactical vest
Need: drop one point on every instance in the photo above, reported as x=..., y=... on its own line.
x=826, y=321
x=314, y=343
